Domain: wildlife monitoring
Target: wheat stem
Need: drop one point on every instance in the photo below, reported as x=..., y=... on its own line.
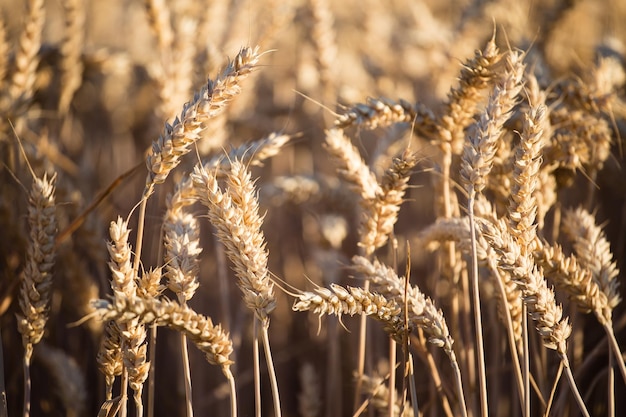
x=270, y=367
x=572, y=383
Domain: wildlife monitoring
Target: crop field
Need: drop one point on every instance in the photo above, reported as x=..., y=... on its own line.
x=312, y=208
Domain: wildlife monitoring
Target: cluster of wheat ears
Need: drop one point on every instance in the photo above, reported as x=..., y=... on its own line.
x=455, y=237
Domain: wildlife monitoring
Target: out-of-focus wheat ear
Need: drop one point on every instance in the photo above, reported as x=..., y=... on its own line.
x=377, y=392
x=381, y=213
x=110, y=356
x=36, y=284
x=383, y=112
x=4, y=55
x=176, y=74
x=251, y=154
x=463, y=100
x=26, y=55
x=178, y=137
x=593, y=251
x=309, y=398
x=159, y=20
x=66, y=377
x=352, y=167
x=323, y=39
x=71, y=52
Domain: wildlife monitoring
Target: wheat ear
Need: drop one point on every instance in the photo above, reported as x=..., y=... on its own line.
x=421, y=311
x=476, y=164
x=26, y=56
x=182, y=250
x=178, y=138
x=36, y=284
x=235, y=215
x=593, y=252
x=383, y=112
x=110, y=356
x=538, y=298
x=71, y=50
x=133, y=334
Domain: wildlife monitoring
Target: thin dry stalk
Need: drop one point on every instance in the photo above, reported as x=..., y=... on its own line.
x=36, y=284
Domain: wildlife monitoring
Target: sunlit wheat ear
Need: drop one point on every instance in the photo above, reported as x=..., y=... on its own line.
x=133, y=334
x=539, y=299
x=182, y=250
x=381, y=213
x=340, y=301
x=110, y=356
x=352, y=167
x=178, y=138
x=479, y=152
x=463, y=100
x=235, y=215
x=36, y=286
x=422, y=312
x=211, y=339
x=577, y=281
x=522, y=204
x=593, y=252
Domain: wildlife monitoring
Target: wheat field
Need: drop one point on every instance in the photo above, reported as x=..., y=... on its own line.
x=312, y=208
